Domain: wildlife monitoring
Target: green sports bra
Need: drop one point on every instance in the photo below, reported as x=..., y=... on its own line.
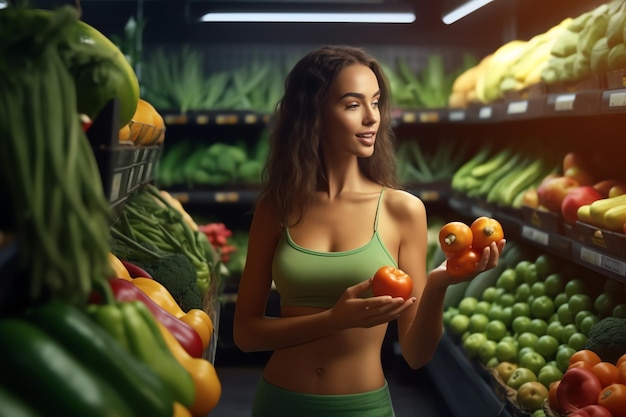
x=305, y=277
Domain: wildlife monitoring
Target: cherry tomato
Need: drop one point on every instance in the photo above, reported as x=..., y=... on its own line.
x=462, y=263
x=588, y=356
x=613, y=398
x=392, y=281
x=484, y=231
x=606, y=372
x=455, y=237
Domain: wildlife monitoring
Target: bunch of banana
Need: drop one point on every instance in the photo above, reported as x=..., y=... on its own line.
x=501, y=176
x=418, y=166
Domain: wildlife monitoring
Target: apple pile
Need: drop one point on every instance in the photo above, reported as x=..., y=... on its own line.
x=576, y=187
x=528, y=325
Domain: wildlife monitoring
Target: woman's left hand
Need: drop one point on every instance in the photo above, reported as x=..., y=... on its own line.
x=488, y=260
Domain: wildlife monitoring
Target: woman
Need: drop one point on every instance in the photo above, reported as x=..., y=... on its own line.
x=328, y=217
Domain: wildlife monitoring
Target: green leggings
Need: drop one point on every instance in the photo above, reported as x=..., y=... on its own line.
x=273, y=401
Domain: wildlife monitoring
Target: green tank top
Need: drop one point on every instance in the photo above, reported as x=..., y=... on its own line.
x=305, y=277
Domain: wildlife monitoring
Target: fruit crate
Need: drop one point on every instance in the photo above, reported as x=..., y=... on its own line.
x=507, y=395
x=123, y=167
x=615, y=79
x=542, y=219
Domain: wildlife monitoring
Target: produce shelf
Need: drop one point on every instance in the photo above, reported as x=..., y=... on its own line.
x=215, y=117
x=462, y=384
x=232, y=196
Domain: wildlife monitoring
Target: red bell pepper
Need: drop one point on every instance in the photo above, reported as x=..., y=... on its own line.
x=595, y=410
x=189, y=339
x=578, y=388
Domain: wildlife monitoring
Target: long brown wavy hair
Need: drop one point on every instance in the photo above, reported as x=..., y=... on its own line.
x=295, y=168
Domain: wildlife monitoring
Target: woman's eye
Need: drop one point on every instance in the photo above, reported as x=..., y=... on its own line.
x=352, y=106
x=375, y=103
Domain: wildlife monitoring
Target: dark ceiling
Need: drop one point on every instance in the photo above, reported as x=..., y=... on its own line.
x=174, y=21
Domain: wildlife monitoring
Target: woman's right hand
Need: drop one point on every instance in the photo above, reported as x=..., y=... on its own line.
x=353, y=311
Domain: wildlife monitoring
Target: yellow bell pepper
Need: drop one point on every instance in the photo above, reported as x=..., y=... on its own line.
x=205, y=378
x=198, y=319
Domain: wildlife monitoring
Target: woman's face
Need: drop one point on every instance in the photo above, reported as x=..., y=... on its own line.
x=350, y=118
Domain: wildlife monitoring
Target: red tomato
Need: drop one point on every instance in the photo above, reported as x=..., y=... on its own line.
x=613, y=398
x=455, y=237
x=392, y=281
x=463, y=263
x=484, y=231
x=590, y=357
x=606, y=372
x=578, y=388
x=553, y=401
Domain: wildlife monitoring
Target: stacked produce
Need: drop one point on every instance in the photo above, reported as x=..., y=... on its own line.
x=501, y=175
x=530, y=320
x=576, y=49
x=416, y=165
x=146, y=127
x=577, y=193
x=196, y=164
x=67, y=332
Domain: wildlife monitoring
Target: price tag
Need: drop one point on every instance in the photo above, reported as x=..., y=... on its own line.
x=456, y=115
x=485, y=112
x=429, y=117
x=227, y=197
x=480, y=212
x=517, y=107
x=429, y=195
x=226, y=119
x=251, y=119
x=605, y=262
x=564, y=102
x=202, y=119
x=116, y=184
x=617, y=99
x=535, y=235
x=409, y=117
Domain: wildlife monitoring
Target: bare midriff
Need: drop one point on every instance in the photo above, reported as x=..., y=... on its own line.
x=345, y=362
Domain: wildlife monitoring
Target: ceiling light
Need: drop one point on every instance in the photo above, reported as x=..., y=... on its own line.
x=464, y=10
x=310, y=17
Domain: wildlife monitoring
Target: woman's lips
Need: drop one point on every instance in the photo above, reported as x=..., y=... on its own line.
x=367, y=138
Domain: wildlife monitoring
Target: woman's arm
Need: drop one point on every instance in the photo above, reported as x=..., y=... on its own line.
x=254, y=331
x=421, y=328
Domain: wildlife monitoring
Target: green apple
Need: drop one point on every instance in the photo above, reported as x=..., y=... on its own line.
x=522, y=351
x=458, y=324
x=542, y=307
x=522, y=292
x=482, y=307
x=495, y=312
x=549, y=374
x=467, y=305
x=506, y=299
x=505, y=369
x=587, y=324
x=564, y=314
x=579, y=302
x=568, y=331
x=521, y=324
x=538, y=413
x=574, y=286
x=562, y=357
x=487, y=351
x=531, y=395
x=560, y=299
x=520, y=309
x=507, y=315
x=533, y=361
x=478, y=322
x=492, y=363
x=555, y=329
x=520, y=270
x=547, y=346
x=577, y=341
x=520, y=376
x=578, y=318
x=554, y=284
x=507, y=280
x=506, y=351
x=620, y=311
x=473, y=342
x=538, y=326
x=490, y=294
x=527, y=339
x=538, y=289
x=496, y=330
x=530, y=274
x=545, y=265
x=605, y=303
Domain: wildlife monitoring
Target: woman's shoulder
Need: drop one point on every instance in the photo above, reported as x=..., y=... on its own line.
x=403, y=205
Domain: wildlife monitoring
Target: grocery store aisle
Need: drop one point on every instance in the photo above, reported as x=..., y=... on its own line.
x=412, y=391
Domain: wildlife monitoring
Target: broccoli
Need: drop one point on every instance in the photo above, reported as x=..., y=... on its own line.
x=607, y=338
x=176, y=273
